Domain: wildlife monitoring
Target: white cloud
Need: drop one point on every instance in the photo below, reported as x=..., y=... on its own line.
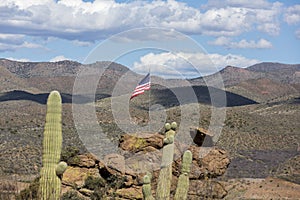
x=238, y=3
x=16, y=39
x=242, y=44
x=19, y=59
x=12, y=42
x=82, y=43
x=292, y=15
x=179, y=65
x=89, y=21
x=59, y=58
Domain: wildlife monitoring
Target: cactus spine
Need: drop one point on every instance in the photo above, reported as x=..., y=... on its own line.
x=50, y=183
x=183, y=181
x=165, y=175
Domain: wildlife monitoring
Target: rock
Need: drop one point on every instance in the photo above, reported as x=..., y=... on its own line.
x=87, y=160
x=86, y=192
x=196, y=171
x=136, y=143
x=134, y=193
x=215, y=162
x=115, y=163
x=75, y=176
x=206, y=189
x=142, y=162
x=201, y=137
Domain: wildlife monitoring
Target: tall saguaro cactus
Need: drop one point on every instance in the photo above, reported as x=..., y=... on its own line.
x=50, y=183
x=165, y=175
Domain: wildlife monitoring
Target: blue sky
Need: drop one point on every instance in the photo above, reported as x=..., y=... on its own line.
x=228, y=32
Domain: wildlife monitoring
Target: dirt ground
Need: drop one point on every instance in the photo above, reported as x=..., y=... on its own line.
x=269, y=188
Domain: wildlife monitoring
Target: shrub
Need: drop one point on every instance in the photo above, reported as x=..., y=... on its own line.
x=71, y=195
x=31, y=192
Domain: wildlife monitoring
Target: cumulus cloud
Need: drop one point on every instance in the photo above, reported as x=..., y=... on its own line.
x=292, y=15
x=188, y=65
x=89, y=21
x=257, y=4
x=12, y=42
x=242, y=44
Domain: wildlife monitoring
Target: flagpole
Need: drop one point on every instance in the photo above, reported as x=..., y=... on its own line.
x=149, y=101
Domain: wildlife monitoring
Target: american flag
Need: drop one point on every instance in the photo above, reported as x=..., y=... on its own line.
x=143, y=85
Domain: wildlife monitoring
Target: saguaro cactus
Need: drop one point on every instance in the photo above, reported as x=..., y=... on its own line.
x=165, y=175
x=50, y=183
x=183, y=181
x=147, y=188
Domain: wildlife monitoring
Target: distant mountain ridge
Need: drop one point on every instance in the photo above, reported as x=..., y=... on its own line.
x=260, y=82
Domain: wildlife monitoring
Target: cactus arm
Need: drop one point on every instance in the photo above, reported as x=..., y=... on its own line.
x=61, y=168
x=50, y=183
x=147, y=188
x=183, y=181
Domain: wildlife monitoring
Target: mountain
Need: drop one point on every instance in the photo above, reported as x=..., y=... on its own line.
x=284, y=73
x=261, y=82
x=43, y=77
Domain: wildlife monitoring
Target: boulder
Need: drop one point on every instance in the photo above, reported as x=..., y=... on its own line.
x=134, y=193
x=87, y=160
x=140, y=142
x=76, y=176
x=201, y=136
x=115, y=163
x=215, y=162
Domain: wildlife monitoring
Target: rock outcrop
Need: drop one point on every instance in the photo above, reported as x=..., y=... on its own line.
x=121, y=175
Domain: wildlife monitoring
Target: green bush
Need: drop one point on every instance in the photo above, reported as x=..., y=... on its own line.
x=92, y=182
x=71, y=195
x=68, y=154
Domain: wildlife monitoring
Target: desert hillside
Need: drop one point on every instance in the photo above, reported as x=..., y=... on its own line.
x=260, y=133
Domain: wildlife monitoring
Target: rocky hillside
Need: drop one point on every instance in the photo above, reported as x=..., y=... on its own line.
x=262, y=82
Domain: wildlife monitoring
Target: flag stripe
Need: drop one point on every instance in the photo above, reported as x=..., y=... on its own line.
x=143, y=85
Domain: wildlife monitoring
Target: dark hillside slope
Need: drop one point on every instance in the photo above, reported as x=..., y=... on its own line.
x=171, y=97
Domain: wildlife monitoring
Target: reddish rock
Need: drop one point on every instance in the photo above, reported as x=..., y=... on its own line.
x=138, y=142
x=87, y=160
x=115, y=163
x=215, y=162
x=75, y=176
x=134, y=193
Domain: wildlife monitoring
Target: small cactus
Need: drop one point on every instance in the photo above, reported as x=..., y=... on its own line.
x=147, y=188
x=50, y=183
x=183, y=181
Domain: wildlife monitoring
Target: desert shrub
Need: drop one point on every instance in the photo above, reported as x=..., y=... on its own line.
x=71, y=195
x=116, y=182
x=8, y=190
x=92, y=182
x=30, y=193
x=69, y=154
